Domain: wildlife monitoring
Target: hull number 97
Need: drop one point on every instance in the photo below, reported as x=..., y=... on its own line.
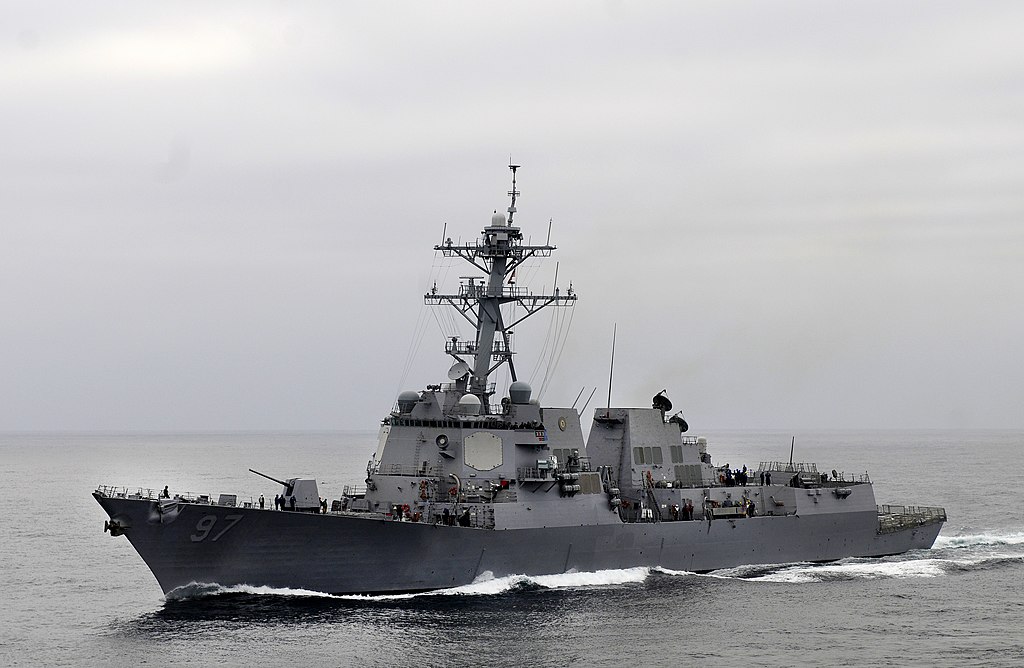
x=205, y=527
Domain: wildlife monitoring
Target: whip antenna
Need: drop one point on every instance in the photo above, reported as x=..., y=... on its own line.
x=611, y=369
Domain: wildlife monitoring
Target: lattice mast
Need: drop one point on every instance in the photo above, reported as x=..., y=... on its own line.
x=497, y=253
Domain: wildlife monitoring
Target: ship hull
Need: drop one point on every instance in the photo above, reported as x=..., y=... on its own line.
x=352, y=553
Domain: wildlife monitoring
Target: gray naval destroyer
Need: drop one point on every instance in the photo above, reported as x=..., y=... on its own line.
x=465, y=484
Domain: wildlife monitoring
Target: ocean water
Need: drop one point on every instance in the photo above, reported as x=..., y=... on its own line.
x=73, y=595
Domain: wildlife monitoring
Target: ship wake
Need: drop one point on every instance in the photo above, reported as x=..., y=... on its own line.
x=198, y=590
x=484, y=585
x=993, y=539
x=487, y=584
x=949, y=556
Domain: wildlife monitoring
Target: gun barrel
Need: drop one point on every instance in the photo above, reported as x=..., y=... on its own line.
x=279, y=482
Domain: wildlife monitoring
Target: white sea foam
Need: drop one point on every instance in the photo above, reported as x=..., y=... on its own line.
x=200, y=589
x=615, y=576
x=980, y=540
x=915, y=568
x=949, y=554
x=488, y=585
x=748, y=572
x=669, y=571
x=484, y=585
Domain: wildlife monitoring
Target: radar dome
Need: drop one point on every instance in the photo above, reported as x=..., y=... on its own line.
x=469, y=404
x=406, y=401
x=498, y=219
x=519, y=392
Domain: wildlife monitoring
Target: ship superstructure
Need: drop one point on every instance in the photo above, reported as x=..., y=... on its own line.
x=462, y=485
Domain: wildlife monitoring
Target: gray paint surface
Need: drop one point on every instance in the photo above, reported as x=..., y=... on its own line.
x=462, y=486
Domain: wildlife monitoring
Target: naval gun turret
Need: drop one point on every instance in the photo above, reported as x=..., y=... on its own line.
x=307, y=497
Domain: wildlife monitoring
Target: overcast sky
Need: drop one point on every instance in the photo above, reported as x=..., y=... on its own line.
x=799, y=214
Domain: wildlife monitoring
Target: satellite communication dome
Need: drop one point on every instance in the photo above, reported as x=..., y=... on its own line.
x=498, y=219
x=469, y=404
x=519, y=392
x=406, y=401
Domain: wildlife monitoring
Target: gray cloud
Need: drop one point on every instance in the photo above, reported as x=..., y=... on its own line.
x=799, y=215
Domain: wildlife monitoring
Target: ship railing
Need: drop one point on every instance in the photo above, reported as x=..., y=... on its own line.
x=450, y=422
x=145, y=493
x=752, y=481
x=585, y=465
x=638, y=515
x=480, y=517
x=836, y=477
x=895, y=518
x=479, y=422
x=429, y=471
x=844, y=479
x=479, y=246
x=120, y=492
x=788, y=467
x=479, y=291
x=456, y=347
x=451, y=387
x=537, y=473
x=353, y=490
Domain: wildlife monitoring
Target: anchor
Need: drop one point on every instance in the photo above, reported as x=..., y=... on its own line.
x=114, y=527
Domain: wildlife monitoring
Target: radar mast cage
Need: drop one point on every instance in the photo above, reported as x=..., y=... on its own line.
x=498, y=252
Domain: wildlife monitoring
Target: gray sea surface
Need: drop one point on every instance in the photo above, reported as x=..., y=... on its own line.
x=73, y=595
